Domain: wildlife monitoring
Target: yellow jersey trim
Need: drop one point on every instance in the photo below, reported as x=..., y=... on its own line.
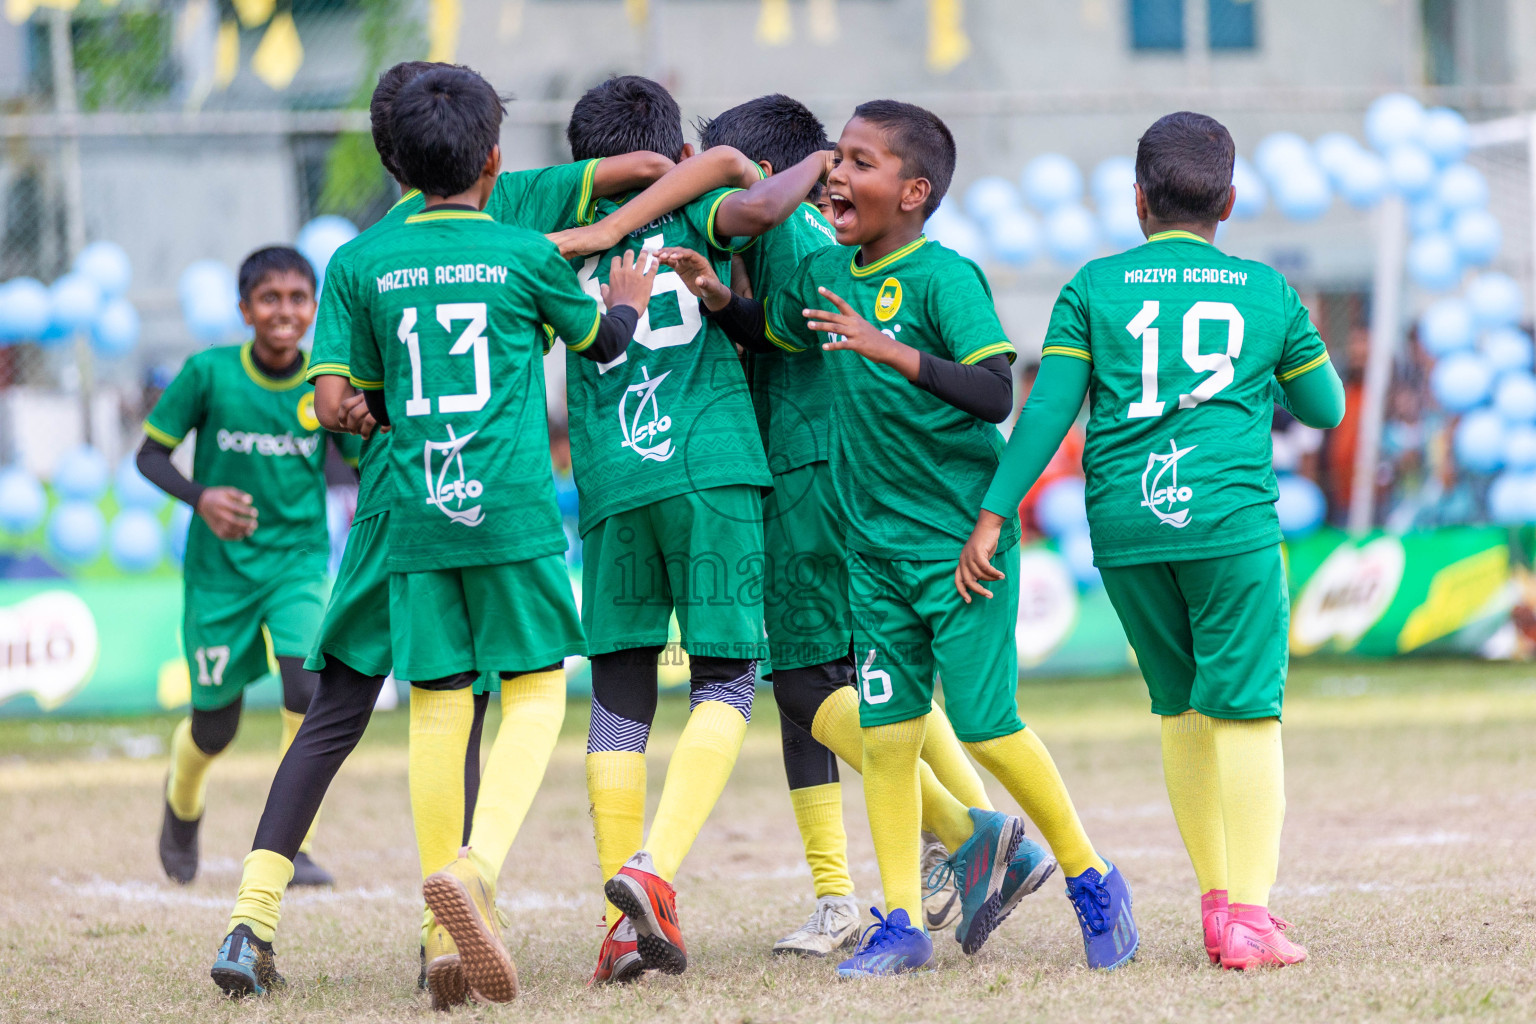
x=886, y=260
x=1188, y=236
x=269, y=383
x=1306, y=367
x=584, y=343
x=786, y=346
x=586, y=206
x=407, y=197
x=431, y=215
x=366, y=385
x=328, y=370
x=988, y=351
x=1065, y=350
x=156, y=434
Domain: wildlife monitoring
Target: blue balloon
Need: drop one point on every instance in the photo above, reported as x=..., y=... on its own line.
x=1477, y=237
x=76, y=300
x=1512, y=497
x=1015, y=237
x=23, y=502
x=1300, y=506
x=1076, y=549
x=1051, y=180
x=1445, y=135
x=1063, y=506
x=176, y=531
x=1303, y=193
x=1426, y=217
x=133, y=490
x=1479, y=441
x=25, y=309
x=1411, y=170
x=1121, y=228
x=1114, y=180
x=990, y=197
x=1514, y=396
x=1520, y=447
x=1433, y=262
x=107, y=264
x=959, y=233
x=1460, y=187
x=1363, y=180
x=1071, y=235
x=321, y=237
x=1495, y=300
x=1460, y=381
x=1252, y=195
x=1335, y=151
x=136, y=543
x=1279, y=153
x=1508, y=348
x=76, y=531
x=116, y=330
x=210, y=301
x=81, y=474
x=1446, y=326
x=1394, y=119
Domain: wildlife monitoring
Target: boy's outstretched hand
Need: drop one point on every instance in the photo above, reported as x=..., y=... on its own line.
x=854, y=332
x=698, y=275
x=583, y=241
x=629, y=281
x=976, y=557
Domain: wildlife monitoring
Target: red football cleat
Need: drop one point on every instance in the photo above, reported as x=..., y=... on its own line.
x=1254, y=937
x=618, y=962
x=650, y=904
x=1213, y=918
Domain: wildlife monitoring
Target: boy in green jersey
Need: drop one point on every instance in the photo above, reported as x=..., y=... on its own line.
x=448, y=349
x=1181, y=493
x=352, y=653
x=256, y=551
x=920, y=374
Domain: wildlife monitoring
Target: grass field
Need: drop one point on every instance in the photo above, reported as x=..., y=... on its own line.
x=1407, y=871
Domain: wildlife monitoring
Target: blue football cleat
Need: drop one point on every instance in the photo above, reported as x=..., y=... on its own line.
x=1103, y=908
x=1028, y=869
x=246, y=965
x=977, y=869
x=890, y=946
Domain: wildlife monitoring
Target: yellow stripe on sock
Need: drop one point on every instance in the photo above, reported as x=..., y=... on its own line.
x=1251, y=763
x=188, y=781
x=1022, y=764
x=819, y=815
x=259, y=903
x=702, y=762
x=441, y=721
x=532, y=711
x=892, y=796
x=1194, y=790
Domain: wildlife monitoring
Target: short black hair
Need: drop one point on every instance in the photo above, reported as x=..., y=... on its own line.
x=274, y=259
x=922, y=140
x=625, y=114
x=774, y=129
x=1184, y=167
x=390, y=83
x=444, y=125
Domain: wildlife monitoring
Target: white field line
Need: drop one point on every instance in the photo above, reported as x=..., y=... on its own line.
x=140, y=892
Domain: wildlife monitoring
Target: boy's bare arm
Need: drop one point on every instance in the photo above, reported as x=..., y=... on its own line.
x=616, y=175
x=768, y=203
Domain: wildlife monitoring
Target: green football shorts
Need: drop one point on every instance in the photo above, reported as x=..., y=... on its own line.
x=356, y=626
x=512, y=617
x=805, y=605
x=700, y=554
x=1209, y=633
x=225, y=634
x=910, y=625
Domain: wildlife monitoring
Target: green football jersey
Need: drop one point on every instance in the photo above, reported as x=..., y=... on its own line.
x=1178, y=455
x=910, y=469
x=260, y=435
x=672, y=414
x=792, y=393
x=449, y=326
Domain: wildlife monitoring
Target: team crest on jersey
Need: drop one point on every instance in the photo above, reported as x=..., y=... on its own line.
x=641, y=419
x=1160, y=490
x=449, y=488
x=306, y=412
x=888, y=301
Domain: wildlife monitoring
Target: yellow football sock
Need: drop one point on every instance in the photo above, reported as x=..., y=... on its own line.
x=892, y=795
x=291, y=722
x=260, y=901
x=441, y=721
x=819, y=813
x=700, y=766
x=954, y=771
x=616, y=791
x=188, y=780
x=1194, y=790
x=1024, y=767
x=1251, y=763
x=532, y=711
x=836, y=727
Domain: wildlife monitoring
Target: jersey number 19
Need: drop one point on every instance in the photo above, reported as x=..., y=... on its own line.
x=1217, y=364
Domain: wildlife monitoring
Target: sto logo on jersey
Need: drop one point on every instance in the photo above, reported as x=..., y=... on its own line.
x=641, y=420
x=888, y=301
x=448, y=487
x=1160, y=490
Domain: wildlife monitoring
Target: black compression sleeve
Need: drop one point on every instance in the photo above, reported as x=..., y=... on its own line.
x=375, y=402
x=984, y=390
x=744, y=322
x=614, y=332
x=154, y=461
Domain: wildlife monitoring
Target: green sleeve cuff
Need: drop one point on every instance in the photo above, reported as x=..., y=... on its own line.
x=1315, y=398
x=1053, y=405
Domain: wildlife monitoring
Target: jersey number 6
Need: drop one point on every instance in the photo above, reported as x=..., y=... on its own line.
x=1217, y=364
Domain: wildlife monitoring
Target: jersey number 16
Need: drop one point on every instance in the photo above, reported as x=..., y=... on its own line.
x=1217, y=364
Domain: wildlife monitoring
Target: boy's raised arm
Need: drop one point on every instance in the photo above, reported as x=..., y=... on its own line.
x=768, y=203
x=616, y=175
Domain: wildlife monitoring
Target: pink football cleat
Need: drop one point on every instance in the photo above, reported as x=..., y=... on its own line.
x=1254, y=937
x=1213, y=917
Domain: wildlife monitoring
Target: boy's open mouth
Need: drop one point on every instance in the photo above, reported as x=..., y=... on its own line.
x=842, y=209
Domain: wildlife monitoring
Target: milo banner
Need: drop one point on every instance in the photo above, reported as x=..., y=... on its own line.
x=113, y=646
